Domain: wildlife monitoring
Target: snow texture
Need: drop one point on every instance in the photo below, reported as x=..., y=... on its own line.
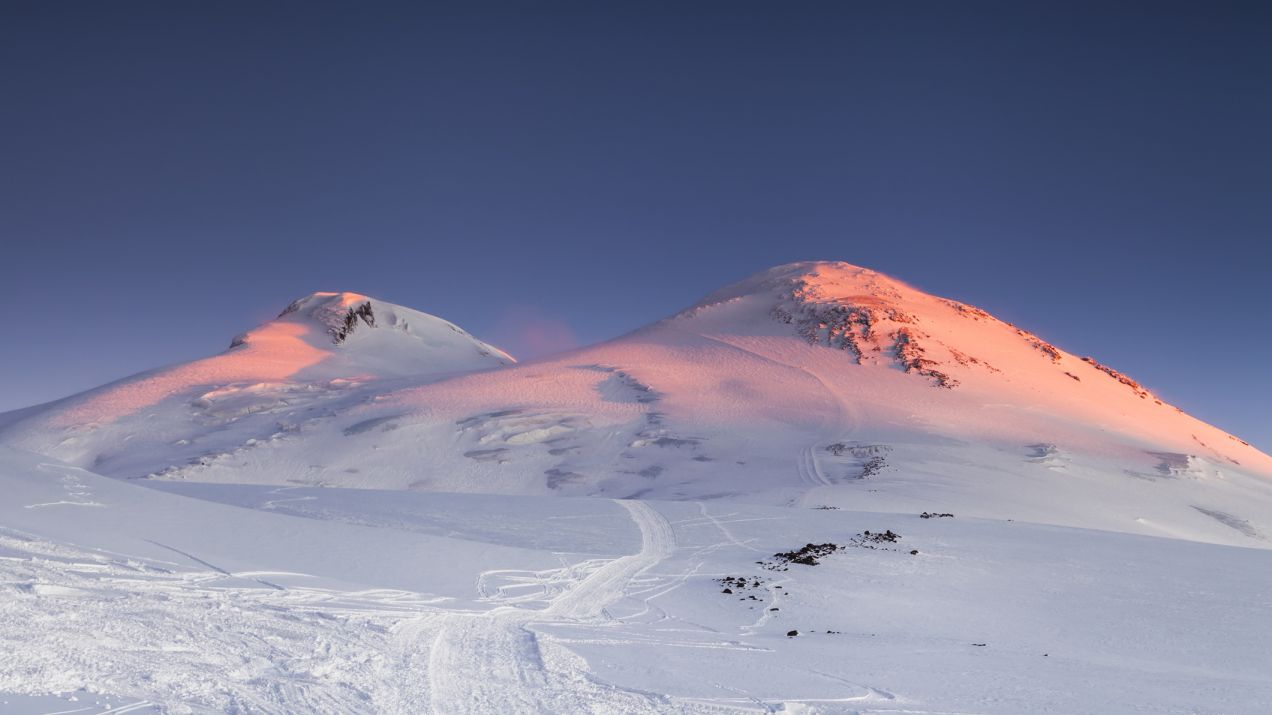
x=361, y=508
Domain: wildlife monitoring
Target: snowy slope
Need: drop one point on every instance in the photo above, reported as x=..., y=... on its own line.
x=301, y=600
x=360, y=508
x=324, y=353
x=814, y=383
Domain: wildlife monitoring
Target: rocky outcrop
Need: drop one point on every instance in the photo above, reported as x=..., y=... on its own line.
x=349, y=322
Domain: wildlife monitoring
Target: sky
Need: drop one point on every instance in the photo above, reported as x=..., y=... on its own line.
x=550, y=174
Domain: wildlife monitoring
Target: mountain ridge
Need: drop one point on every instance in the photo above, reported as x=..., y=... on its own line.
x=809, y=383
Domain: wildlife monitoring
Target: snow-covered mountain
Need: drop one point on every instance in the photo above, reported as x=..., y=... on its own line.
x=811, y=383
x=819, y=490
x=324, y=353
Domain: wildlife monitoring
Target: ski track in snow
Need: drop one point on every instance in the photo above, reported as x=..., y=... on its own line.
x=845, y=424
x=481, y=662
x=373, y=656
x=842, y=426
x=217, y=640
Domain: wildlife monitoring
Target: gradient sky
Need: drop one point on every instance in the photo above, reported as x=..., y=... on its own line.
x=174, y=173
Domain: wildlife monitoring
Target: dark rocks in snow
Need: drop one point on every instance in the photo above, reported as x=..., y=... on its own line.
x=874, y=540
x=968, y=311
x=872, y=456
x=741, y=583
x=873, y=466
x=1045, y=347
x=341, y=331
x=861, y=451
x=886, y=537
x=811, y=554
x=911, y=355
x=934, y=515
x=1135, y=386
x=792, y=634
x=966, y=360
x=807, y=555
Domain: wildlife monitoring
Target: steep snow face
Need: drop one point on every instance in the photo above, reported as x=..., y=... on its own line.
x=315, y=353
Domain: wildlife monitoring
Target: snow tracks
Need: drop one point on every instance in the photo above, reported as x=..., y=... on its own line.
x=494, y=661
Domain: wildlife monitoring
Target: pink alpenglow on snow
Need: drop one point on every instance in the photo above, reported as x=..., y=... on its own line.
x=798, y=383
x=320, y=343
x=374, y=480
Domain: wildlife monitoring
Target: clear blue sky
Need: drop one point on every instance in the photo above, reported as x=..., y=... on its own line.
x=1099, y=173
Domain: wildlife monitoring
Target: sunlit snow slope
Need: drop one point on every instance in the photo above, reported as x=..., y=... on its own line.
x=359, y=508
x=811, y=383
x=324, y=353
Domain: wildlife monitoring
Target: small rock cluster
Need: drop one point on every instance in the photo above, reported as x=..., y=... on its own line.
x=808, y=555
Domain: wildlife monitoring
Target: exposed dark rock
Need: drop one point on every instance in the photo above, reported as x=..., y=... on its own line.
x=911, y=355
x=340, y=332
x=807, y=555
x=873, y=466
x=886, y=537
x=1135, y=386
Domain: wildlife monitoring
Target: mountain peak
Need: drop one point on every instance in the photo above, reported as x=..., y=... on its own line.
x=323, y=338
x=818, y=280
x=815, y=375
x=341, y=299
x=339, y=313
x=878, y=320
x=353, y=321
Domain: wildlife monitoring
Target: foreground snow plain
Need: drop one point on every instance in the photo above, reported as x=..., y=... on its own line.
x=240, y=598
x=360, y=508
